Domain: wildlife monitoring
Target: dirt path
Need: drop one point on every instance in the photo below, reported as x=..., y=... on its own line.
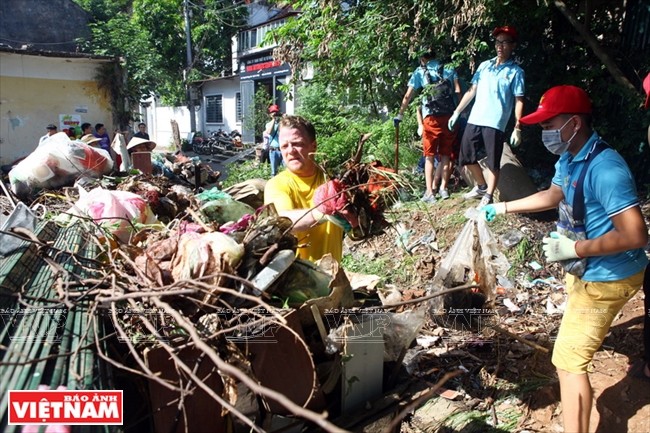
x=520, y=381
x=621, y=403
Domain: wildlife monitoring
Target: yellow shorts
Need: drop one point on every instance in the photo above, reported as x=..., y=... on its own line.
x=590, y=310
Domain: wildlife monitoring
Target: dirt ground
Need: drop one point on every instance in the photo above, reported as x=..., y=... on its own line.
x=506, y=378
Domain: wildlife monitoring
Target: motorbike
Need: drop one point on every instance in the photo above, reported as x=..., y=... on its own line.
x=200, y=145
x=220, y=141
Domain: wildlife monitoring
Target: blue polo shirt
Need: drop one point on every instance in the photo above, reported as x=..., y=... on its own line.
x=609, y=189
x=496, y=88
x=418, y=80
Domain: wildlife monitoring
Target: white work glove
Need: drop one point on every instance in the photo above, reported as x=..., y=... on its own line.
x=515, y=138
x=490, y=211
x=558, y=247
x=420, y=129
x=396, y=120
x=452, y=121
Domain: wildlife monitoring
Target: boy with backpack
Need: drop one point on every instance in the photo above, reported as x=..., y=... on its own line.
x=439, y=83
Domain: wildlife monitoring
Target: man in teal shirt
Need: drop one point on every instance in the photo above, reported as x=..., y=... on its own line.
x=592, y=176
x=498, y=86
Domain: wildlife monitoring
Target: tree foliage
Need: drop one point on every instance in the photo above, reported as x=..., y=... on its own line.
x=369, y=49
x=150, y=36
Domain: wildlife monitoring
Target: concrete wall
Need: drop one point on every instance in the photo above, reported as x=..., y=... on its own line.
x=36, y=90
x=53, y=25
x=158, y=119
x=227, y=87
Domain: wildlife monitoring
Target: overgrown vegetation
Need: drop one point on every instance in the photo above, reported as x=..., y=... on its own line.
x=149, y=35
x=244, y=171
x=364, y=52
x=339, y=127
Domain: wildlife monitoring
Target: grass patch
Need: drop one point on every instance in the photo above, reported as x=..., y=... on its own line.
x=474, y=422
x=365, y=265
x=240, y=172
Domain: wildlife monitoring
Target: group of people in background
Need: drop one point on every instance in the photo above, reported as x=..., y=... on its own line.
x=98, y=137
x=496, y=88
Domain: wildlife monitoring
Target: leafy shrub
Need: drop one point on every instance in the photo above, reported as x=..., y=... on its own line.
x=240, y=172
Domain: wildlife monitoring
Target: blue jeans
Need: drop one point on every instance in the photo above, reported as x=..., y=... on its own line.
x=275, y=157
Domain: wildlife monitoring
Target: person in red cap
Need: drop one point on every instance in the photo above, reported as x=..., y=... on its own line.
x=272, y=129
x=599, y=238
x=498, y=86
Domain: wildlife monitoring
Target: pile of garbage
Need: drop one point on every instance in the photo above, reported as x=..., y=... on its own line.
x=194, y=285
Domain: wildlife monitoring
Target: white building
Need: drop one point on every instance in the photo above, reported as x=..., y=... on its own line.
x=227, y=101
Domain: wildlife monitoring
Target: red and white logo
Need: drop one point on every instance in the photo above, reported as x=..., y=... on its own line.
x=65, y=407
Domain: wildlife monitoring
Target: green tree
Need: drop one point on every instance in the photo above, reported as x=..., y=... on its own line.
x=368, y=49
x=150, y=36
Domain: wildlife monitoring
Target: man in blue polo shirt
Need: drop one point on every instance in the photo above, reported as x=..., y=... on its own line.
x=498, y=86
x=437, y=139
x=603, y=255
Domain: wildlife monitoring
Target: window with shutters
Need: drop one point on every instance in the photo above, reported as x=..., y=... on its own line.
x=214, y=109
x=238, y=109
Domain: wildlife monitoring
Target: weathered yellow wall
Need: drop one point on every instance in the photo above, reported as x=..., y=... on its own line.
x=28, y=105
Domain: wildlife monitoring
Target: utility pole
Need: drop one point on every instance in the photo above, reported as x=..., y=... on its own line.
x=186, y=78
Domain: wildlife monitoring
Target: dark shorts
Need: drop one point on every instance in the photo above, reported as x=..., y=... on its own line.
x=479, y=141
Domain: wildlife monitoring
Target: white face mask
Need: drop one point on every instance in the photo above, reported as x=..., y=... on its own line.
x=552, y=139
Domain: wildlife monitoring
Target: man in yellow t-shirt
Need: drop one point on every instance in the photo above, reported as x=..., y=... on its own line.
x=292, y=191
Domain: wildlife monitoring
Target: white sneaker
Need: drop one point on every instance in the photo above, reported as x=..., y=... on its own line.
x=444, y=194
x=476, y=192
x=428, y=198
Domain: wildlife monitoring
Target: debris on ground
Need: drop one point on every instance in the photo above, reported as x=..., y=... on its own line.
x=193, y=301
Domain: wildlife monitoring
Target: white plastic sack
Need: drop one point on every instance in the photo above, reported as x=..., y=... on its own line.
x=119, y=147
x=57, y=162
x=474, y=256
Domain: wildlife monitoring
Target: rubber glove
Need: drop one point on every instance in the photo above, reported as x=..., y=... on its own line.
x=339, y=221
x=330, y=197
x=490, y=211
x=515, y=138
x=420, y=129
x=452, y=121
x=558, y=247
x=396, y=120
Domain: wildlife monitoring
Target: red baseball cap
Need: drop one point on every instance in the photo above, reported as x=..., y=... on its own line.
x=646, y=87
x=274, y=109
x=509, y=30
x=559, y=100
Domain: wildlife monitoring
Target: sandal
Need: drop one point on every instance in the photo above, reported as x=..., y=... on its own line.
x=636, y=370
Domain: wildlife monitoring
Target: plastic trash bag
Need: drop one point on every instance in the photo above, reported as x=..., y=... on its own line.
x=118, y=212
x=57, y=162
x=219, y=206
x=474, y=257
x=206, y=255
x=21, y=216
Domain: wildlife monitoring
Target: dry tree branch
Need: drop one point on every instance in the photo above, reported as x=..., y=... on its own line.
x=318, y=419
x=183, y=366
